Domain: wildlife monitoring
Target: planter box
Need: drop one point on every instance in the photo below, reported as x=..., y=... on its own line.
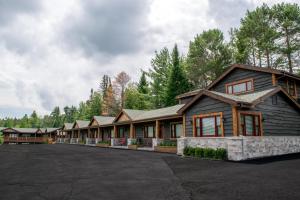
x=165, y=149
x=102, y=145
x=133, y=147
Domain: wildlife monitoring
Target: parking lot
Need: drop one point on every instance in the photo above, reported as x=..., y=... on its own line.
x=80, y=172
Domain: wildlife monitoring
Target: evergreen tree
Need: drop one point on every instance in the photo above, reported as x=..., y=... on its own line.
x=178, y=82
x=207, y=58
x=143, y=86
x=56, y=117
x=159, y=73
x=287, y=23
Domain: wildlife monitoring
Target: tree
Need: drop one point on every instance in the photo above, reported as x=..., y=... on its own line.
x=110, y=104
x=143, y=86
x=106, y=81
x=34, y=120
x=177, y=82
x=134, y=99
x=56, y=117
x=95, y=105
x=122, y=80
x=207, y=58
x=287, y=22
x=24, y=122
x=159, y=73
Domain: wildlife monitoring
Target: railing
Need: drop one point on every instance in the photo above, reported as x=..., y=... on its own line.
x=90, y=140
x=119, y=141
x=147, y=142
x=74, y=141
x=25, y=139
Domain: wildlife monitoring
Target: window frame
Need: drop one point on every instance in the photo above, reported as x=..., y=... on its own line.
x=208, y=115
x=173, y=135
x=232, y=84
x=145, y=130
x=288, y=81
x=253, y=114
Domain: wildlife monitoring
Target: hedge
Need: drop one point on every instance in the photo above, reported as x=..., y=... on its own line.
x=219, y=153
x=168, y=143
x=104, y=142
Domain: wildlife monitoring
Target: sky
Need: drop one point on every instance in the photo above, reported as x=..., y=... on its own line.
x=53, y=52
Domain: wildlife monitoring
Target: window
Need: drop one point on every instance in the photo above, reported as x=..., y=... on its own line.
x=176, y=130
x=13, y=135
x=149, y=131
x=274, y=99
x=240, y=87
x=121, y=132
x=208, y=125
x=291, y=88
x=250, y=124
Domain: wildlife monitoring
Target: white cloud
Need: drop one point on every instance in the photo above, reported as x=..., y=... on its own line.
x=40, y=69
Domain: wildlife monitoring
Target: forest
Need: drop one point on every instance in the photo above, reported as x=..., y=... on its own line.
x=268, y=36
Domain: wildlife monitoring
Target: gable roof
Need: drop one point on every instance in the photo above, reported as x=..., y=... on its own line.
x=139, y=115
x=67, y=126
x=102, y=120
x=240, y=66
x=246, y=100
x=24, y=130
x=81, y=123
x=253, y=68
x=52, y=129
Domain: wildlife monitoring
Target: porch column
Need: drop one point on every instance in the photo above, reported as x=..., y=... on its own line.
x=115, y=131
x=98, y=132
x=157, y=129
x=234, y=121
x=183, y=126
x=131, y=133
x=89, y=132
x=72, y=136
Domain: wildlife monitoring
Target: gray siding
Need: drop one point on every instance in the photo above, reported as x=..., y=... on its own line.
x=262, y=80
x=208, y=105
x=282, y=82
x=281, y=119
x=185, y=100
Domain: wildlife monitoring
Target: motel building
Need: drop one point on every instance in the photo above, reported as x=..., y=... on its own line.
x=250, y=112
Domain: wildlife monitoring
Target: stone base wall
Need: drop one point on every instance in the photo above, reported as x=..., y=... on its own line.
x=243, y=148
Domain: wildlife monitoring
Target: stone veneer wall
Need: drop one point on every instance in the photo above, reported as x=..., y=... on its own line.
x=243, y=148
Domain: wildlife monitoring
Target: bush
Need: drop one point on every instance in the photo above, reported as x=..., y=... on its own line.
x=103, y=142
x=168, y=143
x=134, y=142
x=220, y=154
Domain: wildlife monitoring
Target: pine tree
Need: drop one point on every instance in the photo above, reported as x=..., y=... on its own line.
x=159, y=74
x=143, y=86
x=178, y=82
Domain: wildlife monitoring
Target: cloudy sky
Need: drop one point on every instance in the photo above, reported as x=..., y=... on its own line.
x=53, y=52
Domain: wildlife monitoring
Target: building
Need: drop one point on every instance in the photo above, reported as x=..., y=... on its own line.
x=250, y=111
x=24, y=135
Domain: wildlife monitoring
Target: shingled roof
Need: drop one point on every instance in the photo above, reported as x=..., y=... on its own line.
x=68, y=126
x=246, y=100
x=140, y=115
x=240, y=66
x=81, y=123
x=103, y=120
x=23, y=130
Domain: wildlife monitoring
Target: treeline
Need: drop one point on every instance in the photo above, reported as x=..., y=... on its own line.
x=267, y=37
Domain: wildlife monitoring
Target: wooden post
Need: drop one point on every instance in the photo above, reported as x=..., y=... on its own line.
x=89, y=133
x=157, y=129
x=234, y=121
x=183, y=126
x=274, y=82
x=98, y=132
x=72, y=134
x=131, y=131
x=115, y=131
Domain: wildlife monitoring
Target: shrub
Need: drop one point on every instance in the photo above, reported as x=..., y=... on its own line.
x=220, y=154
x=168, y=143
x=134, y=142
x=199, y=152
x=103, y=142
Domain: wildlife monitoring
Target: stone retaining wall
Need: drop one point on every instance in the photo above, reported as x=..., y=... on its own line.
x=243, y=148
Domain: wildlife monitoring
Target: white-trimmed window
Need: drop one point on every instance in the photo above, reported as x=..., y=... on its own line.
x=240, y=87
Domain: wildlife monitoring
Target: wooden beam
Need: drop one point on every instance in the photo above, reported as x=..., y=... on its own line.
x=274, y=81
x=157, y=129
x=183, y=126
x=234, y=121
x=131, y=131
x=115, y=131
